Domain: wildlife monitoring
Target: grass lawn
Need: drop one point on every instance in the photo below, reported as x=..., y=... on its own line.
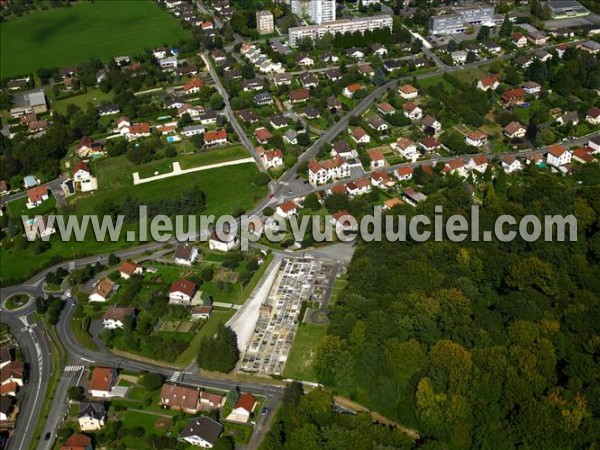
x=16, y=301
x=299, y=363
x=64, y=36
x=94, y=96
x=134, y=419
x=208, y=329
x=226, y=189
x=18, y=207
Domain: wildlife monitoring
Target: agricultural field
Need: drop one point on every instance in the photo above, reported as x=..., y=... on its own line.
x=66, y=36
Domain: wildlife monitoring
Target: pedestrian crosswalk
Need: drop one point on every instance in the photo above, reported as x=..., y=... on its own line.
x=73, y=368
x=29, y=327
x=175, y=376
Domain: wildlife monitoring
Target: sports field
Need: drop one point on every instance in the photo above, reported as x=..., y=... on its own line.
x=61, y=37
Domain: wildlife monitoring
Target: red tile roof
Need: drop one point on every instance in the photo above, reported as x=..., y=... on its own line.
x=35, y=194
x=246, y=401
x=557, y=150
x=77, y=442
x=185, y=286
x=102, y=379
x=210, y=136
x=80, y=165
x=193, y=83
x=128, y=267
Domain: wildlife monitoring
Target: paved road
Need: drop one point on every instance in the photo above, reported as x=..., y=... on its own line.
x=34, y=345
x=230, y=115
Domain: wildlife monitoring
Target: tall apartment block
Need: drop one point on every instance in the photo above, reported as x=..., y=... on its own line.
x=322, y=11
x=264, y=22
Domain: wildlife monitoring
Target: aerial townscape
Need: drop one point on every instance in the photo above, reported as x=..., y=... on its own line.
x=150, y=110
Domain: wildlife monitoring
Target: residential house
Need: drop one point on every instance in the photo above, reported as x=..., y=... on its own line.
x=343, y=150
x=311, y=113
x=391, y=64
x=404, y=173
x=329, y=57
x=459, y=57
x=78, y=442
x=193, y=130
x=594, y=144
x=334, y=105
x=181, y=292
x=13, y=372
x=309, y=80
x=6, y=357
x=492, y=47
x=91, y=416
x=358, y=187
x=519, y=40
x=102, y=290
x=365, y=70
x=116, y=317
x=351, y=89
x=272, y=159
x=324, y=171
x=487, y=83
x=515, y=130
x=128, y=268
x=243, y=408
x=290, y=137
x=360, y=136
x=263, y=99
x=584, y=156
x=542, y=55
x=103, y=381
x=589, y=46
x=185, y=255
x=223, y=241
x=412, y=111
x=248, y=115
x=523, y=61
x=333, y=75
x=408, y=92
x=382, y=180
x=202, y=432
x=455, y=167
x=200, y=312
x=392, y=203
x=283, y=79
x=180, y=398
x=36, y=196
x=570, y=117
x=299, y=95
x=344, y=221
x=287, y=209
x=355, y=53
x=377, y=123
x=532, y=88
x=535, y=158
x=304, y=60
x=213, y=138
x=476, y=138
x=193, y=86
x=377, y=160
x=278, y=121
x=379, y=50
x=431, y=123
x=6, y=406
x=385, y=109
x=511, y=164
x=262, y=135
x=558, y=156
x=253, y=84
x=479, y=163
x=413, y=197
x=406, y=148
x=138, y=130
x=108, y=109
x=211, y=399
x=430, y=144
x=593, y=116
x=537, y=37
x=513, y=97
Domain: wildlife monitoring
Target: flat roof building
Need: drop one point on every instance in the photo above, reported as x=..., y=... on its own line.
x=563, y=9
x=338, y=27
x=461, y=19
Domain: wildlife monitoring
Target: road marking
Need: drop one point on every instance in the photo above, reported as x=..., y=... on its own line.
x=175, y=376
x=88, y=360
x=74, y=368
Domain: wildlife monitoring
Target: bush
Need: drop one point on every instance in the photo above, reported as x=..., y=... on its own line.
x=76, y=393
x=152, y=381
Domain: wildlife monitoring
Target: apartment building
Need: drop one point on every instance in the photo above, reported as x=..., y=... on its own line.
x=460, y=19
x=314, y=32
x=322, y=11
x=264, y=22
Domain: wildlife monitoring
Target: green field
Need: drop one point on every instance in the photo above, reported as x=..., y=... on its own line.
x=70, y=35
x=299, y=363
x=226, y=189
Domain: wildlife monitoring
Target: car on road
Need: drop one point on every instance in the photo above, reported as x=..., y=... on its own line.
x=264, y=411
x=68, y=294
x=47, y=436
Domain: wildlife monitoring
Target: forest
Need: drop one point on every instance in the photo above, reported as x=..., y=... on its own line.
x=479, y=344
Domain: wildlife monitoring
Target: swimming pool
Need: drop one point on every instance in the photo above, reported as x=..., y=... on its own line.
x=171, y=139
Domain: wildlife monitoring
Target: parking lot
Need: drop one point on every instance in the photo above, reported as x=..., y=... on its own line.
x=298, y=280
